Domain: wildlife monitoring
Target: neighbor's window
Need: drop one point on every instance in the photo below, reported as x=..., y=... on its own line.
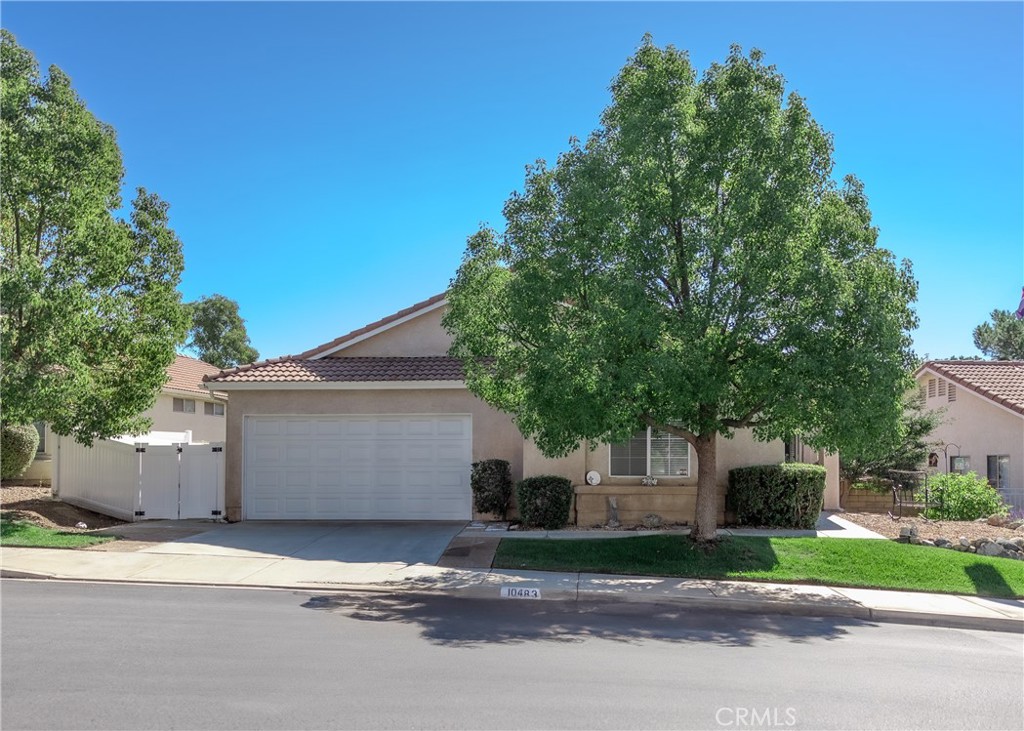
x=960, y=464
x=41, y=428
x=185, y=405
x=999, y=470
x=650, y=452
x=212, y=409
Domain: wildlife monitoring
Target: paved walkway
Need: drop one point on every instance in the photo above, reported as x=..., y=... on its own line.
x=310, y=570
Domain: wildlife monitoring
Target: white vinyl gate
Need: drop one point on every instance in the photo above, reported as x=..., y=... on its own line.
x=141, y=482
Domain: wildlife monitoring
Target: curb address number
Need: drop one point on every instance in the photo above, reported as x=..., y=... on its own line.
x=515, y=592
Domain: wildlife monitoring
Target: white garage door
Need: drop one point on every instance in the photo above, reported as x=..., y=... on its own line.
x=358, y=467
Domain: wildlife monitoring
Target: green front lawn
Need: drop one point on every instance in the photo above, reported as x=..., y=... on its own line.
x=837, y=562
x=23, y=533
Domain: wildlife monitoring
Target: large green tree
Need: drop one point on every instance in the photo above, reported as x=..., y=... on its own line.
x=1002, y=338
x=90, y=315
x=218, y=333
x=907, y=450
x=694, y=268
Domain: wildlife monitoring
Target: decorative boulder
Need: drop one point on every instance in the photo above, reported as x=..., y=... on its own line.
x=652, y=520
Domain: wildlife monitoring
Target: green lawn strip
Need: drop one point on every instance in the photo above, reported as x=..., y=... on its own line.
x=847, y=562
x=23, y=533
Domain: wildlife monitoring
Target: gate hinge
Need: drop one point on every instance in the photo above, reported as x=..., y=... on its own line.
x=140, y=449
x=140, y=513
x=216, y=449
x=180, y=450
x=215, y=512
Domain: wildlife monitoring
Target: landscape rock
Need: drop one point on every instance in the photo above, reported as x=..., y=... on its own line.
x=926, y=542
x=997, y=520
x=964, y=542
x=1015, y=524
x=652, y=520
x=992, y=549
x=942, y=542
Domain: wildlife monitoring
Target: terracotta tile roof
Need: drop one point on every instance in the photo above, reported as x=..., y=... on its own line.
x=1001, y=381
x=372, y=326
x=292, y=369
x=187, y=374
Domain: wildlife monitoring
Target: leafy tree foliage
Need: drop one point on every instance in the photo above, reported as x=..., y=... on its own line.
x=907, y=449
x=1002, y=338
x=218, y=334
x=692, y=267
x=91, y=316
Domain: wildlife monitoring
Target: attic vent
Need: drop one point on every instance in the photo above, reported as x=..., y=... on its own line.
x=931, y=387
x=952, y=392
x=942, y=387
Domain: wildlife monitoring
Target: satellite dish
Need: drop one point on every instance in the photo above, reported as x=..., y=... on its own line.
x=593, y=478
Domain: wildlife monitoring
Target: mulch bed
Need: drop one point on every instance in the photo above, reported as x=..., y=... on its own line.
x=929, y=529
x=37, y=505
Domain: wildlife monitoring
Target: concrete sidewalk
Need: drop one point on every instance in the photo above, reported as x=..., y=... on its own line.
x=288, y=572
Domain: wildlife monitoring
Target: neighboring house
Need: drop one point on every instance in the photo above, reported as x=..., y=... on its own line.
x=983, y=427
x=184, y=411
x=378, y=425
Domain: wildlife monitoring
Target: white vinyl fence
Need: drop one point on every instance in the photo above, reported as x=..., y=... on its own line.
x=141, y=482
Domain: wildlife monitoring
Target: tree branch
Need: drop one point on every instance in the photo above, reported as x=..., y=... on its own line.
x=747, y=420
x=676, y=430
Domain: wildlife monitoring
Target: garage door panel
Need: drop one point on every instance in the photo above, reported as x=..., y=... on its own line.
x=358, y=467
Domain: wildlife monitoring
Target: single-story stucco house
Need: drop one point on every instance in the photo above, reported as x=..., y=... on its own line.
x=378, y=425
x=983, y=426
x=184, y=410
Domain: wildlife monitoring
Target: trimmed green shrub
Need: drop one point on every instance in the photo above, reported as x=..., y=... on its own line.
x=777, y=495
x=18, y=446
x=544, y=501
x=491, y=480
x=962, y=497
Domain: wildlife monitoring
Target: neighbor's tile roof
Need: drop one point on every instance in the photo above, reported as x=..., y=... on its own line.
x=328, y=370
x=187, y=375
x=999, y=380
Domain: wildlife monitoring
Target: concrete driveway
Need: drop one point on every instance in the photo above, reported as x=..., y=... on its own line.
x=360, y=542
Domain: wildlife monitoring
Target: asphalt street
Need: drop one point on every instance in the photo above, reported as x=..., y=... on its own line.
x=110, y=656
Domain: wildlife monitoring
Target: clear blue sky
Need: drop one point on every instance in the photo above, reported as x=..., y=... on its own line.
x=325, y=162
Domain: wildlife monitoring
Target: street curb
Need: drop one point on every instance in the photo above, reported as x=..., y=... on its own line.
x=492, y=592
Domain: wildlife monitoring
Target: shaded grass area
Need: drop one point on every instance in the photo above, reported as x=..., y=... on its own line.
x=847, y=562
x=23, y=533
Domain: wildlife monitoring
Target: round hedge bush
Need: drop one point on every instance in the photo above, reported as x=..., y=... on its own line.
x=18, y=446
x=544, y=501
x=491, y=480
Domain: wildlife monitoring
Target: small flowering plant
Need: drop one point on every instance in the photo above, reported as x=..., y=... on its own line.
x=648, y=481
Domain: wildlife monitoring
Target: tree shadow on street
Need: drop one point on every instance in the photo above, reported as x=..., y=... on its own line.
x=468, y=623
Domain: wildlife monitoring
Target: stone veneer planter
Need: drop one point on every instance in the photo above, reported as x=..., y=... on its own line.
x=859, y=500
x=674, y=503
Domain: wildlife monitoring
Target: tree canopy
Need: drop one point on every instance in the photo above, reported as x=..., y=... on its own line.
x=218, y=335
x=692, y=267
x=91, y=316
x=1002, y=338
x=910, y=452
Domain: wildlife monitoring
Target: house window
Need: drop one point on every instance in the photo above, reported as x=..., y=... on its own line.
x=960, y=464
x=952, y=393
x=999, y=470
x=41, y=428
x=185, y=405
x=212, y=409
x=650, y=452
x=794, y=449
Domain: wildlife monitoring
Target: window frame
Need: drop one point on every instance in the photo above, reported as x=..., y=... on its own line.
x=648, y=473
x=963, y=470
x=998, y=459
x=210, y=408
x=184, y=402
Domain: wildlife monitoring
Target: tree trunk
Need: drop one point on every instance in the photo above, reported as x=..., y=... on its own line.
x=707, y=488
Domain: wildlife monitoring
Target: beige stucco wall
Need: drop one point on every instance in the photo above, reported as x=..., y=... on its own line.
x=494, y=434
x=980, y=428
x=740, y=451
x=204, y=428
x=420, y=336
